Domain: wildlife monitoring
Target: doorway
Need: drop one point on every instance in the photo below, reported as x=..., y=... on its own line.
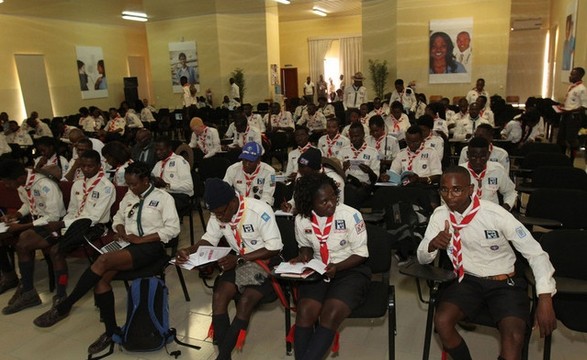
x=289, y=83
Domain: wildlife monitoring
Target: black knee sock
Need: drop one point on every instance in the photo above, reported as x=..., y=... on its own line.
x=230, y=339
x=105, y=302
x=85, y=283
x=461, y=352
x=319, y=344
x=61, y=280
x=6, y=265
x=221, y=323
x=27, y=271
x=302, y=337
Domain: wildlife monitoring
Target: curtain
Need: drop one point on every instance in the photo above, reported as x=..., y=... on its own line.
x=351, y=54
x=317, y=50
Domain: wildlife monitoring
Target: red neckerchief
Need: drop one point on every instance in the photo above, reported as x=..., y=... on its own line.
x=163, y=163
x=87, y=190
x=112, y=125
x=571, y=88
x=457, y=256
x=395, y=122
x=322, y=235
x=29, y=192
x=490, y=149
x=234, y=225
x=244, y=135
x=202, y=140
x=379, y=111
x=379, y=141
x=478, y=177
x=305, y=148
x=276, y=117
x=52, y=160
x=412, y=155
x=249, y=179
x=356, y=152
x=331, y=143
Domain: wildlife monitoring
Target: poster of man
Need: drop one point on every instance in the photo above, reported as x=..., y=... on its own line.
x=450, y=51
x=569, y=40
x=91, y=71
x=183, y=60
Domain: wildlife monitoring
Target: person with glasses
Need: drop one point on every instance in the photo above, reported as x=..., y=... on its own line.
x=477, y=236
x=146, y=219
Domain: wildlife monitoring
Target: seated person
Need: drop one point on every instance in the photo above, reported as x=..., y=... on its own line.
x=249, y=227
x=379, y=108
x=476, y=234
x=42, y=202
x=300, y=109
x=244, y=133
x=364, y=114
x=254, y=120
x=117, y=155
x=315, y=121
x=204, y=138
x=277, y=120
x=250, y=177
x=325, y=108
x=331, y=143
x=74, y=171
x=172, y=173
x=421, y=161
x=512, y=131
x=17, y=135
x=323, y=305
x=354, y=116
x=98, y=118
x=38, y=128
x=131, y=117
x=86, y=121
x=386, y=144
x=496, y=154
x=76, y=135
x=5, y=149
x=485, y=111
x=144, y=149
x=47, y=149
x=532, y=127
x=489, y=177
x=431, y=140
x=115, y=126
x=302, y=139
x=146, y=219
x=467, y=125
x=436, y=110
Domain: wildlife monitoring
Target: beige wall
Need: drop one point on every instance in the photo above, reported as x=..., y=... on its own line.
x=57, y=40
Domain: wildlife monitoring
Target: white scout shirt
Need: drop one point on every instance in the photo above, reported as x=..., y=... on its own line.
x=175, y=171
x=48, y=200
x=440, y=126
x=208, y=141
x=147, y=115
x=387, y=146
x=88, y=124
x=115, y=124
x=486, y=249
x=496, y=154
x=437, y=143
x=397, y=127
x=262, y=186
x=255, y=120
x=496, y=180
x=467, y=126
x=42, y=130
x=283, y=119
x=132, y=119
x=99, y=199
x=325, y=143
x=19, y=137
x=257, y=229
x=576, y=96
x=367, y=155
x=327, y=110
x=251, y=134
x=313, y=122
x=292, y=159
x=355, y=96
x=512, y=131
x=488, y=115
x=309, y=88
x=118, y=175
x=426, y=163
x=348, y=235
x=473, y=94
x=407, y=97
x=53, y=161
x=4, y=147
x=158, y=214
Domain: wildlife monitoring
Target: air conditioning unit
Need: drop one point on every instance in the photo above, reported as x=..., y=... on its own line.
x=526, y=24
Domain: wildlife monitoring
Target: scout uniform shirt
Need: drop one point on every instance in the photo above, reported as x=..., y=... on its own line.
x=355, y=96
x=118, y=175
x=292, y=159
x=494, y=180
x=115, y=124
x=473, y=94
x=175, y=171
x=251, y=134
x=467, y=126
x=496, y=154
x=41, y=198
x=387, y=146
x=283, y=119
x=397, y=127
x=156, y=212
x=260, y=185
x=407, y=97
x=331, y=147
x=576, y=96
x=90, y=199
x=368, y=156
x=425, y=162
x=62, y=163
x=256, y=121
x=435, y=142
x=208, y=141
x=313, y=122
x=19, y=137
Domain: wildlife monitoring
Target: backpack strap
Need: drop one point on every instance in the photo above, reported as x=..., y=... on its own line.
x=276, y=287
x=153, y=284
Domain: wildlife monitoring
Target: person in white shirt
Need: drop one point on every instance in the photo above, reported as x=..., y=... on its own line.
x=172, y=173
x=86, y=121
x=386, y=144
x=277, y=120
x=463, y=106
x=309, y=90
x=133, y=120
x=250, y=177
x=573, y=112
x=74, y=171
x=477, y=234
x=335, y=234
x=254, y=120
x=532, y=126
x=40, y=128
x=204, y=138
x=331, y=143
x=325, y=108
x=436, y=110
x=314, y=121
x=250, y=229
x=397, y=122
x=5, y=149
x=485, y=111
x=188, y=96
x=42, y=202
x=496, y=154
x=117, y=155
x=405, y=95
x=147, y=114
x=244, y=133
x=47, y=150
x=356, y=94
x=466, y=127
x=512, y=131
x=76, y=135
x=421, y=163
x=98, y=118
x=322, y=87
x=300, y=109
x=146, y=219
x=378, y=109
x=302, y=139
x=115, y=126
x=431, y=140
x=17, y=135
x=489, y=177
x=235, y=92
x=463, y=51
x=354, y=116
x=420, y=105
x=477, y=91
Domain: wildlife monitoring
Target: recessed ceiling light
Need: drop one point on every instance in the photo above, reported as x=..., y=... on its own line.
x=319, y=12
x=134, y=13
x=286, y=2
x=134, y=16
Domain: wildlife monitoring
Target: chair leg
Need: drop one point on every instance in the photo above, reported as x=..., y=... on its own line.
x=182, y=282
x=50, y=272
x=201, y=213
x=191, y=217
x=288, y=347
x=429, y=321
x=391, y=329
x=547, y=344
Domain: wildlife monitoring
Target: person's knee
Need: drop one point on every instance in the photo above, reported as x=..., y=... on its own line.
x=246, y=304
x=24, y=243
x=101, y=264
x=445, y=320
x=333, y=314
x=220, y=299
x=513, y=331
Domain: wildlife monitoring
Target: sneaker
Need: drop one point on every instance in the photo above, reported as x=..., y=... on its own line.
x=49, y=318
x=16, y=295
x=25, y=300
x=7, y=284
x=101, y=344
x=58, y=299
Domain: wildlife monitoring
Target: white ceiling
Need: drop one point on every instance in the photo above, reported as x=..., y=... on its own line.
x=108, y=11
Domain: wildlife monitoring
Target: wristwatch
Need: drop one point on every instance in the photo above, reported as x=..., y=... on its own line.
x=240, y=260
x=428, y=180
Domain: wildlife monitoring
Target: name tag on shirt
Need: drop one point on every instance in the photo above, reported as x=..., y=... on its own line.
x=95, y=195
x=492, y=181
x=153, y=203
x=248, y=228
x=491, y=234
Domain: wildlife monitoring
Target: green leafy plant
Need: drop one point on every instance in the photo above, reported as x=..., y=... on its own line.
x=239, y=78
x=379, y=74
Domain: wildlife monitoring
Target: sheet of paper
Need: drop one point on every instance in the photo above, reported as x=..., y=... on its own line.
x=3, y=228
x=298, y=268
x=283, y=213
x=204, y=255
x=355, y=164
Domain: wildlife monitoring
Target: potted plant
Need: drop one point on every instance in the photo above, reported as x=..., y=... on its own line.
x=239, y=79
x=379, y=74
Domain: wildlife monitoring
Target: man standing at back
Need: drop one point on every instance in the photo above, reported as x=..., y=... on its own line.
x=235, y=91
x=477, y=91
x=573, y=111
x=309, y=89
x=356, y=94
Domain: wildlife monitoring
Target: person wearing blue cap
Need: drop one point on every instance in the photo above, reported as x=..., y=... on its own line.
x=249, y=227
x=250, y=177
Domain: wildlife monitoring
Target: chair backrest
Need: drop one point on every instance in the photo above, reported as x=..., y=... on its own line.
x=387, y=195
x=565, y=205
x=9, y=199
x=533, y=147
x=512, y=99
x=435, y=98
x=566, y=249
x=288, y=237
x=536, y=159
x=562, y=177
x=379, y=244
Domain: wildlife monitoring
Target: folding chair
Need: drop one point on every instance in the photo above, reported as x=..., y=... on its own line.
x=556, y=208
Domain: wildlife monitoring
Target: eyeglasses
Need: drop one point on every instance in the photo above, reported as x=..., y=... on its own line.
x=456, y=190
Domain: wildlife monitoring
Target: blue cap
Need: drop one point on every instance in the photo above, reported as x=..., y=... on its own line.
x=252, y=151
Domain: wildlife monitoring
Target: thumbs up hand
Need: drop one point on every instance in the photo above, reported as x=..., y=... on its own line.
x=441, y=240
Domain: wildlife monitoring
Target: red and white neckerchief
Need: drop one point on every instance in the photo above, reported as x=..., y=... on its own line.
x=322, y=235
x=395, y=122
x=249, y=179
x=165, y=163
x=52, y=160
x=87, y=190
x=365, y=120
x=379, y=111
x=115, y=178
x=412, y=155
x=276, y=119
x=379, y=141
x=330, y=143
x=235, y=223
x=478, y=177
x=112, y=125
x=571, y=88
x=244, y=135
x=29, y=192
x=202, y=140
x=356, y=152
x=490, y=148
x=305, y=148
x=457, y=255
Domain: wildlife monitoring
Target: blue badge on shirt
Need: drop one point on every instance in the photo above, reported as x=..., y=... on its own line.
x=46, y=189
x=36, y=193
x=357, y=218
x=521, y=232
x=266, y=217
x=107, y=190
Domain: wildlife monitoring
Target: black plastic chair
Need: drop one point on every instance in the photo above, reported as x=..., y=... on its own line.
x=556, y=208
x=562, y=177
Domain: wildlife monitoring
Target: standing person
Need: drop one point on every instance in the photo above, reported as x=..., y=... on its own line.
x=341, y=85
x=188, y=97
x=573, y=112
x=356, y=94
x=146, y=219
x=309, y=89
x=322, y=87
x=186, y=70
x=463, y=52
x=477, y=234
x=335, y=234
x=477, y=91
x=249, y=227
x=204, y=138
x=101, y=83
x=331, y=89
x=235, y=92
x=405, y=95
x=331, y=143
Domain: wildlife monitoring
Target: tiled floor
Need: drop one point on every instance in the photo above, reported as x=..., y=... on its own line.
x=360, y=339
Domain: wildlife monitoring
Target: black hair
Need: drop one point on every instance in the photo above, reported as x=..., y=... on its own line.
x=438, y=109
x=86, y=141
x=84, y=111
x=357, y=125
x=334, y=118
x=414, y=129
x=163, y=140
x=181, y=54
x=92, y=154
x=486, y=127
x=80, y=64
x=354, y=110
x=426, y=120
x=455, y=169
x=116, y=150
x=306, y=188
x=376, y=120
x=397, y=104
x=478, y=142
x=580, y=71
x=450, y=58
x=138, y=168
x=399, y=82
x=303, y=128
x=47, y=141
x=11, y=169
x=101, y=64
x=482, y=97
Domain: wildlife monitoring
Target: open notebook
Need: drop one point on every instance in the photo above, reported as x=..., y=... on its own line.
x=112, y=246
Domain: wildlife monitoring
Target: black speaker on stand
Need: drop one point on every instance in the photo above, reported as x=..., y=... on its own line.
x=131, y=90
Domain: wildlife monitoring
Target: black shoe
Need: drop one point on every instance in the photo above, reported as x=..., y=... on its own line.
x=6, y=284
x=25, y=300
x=49, y=318
x=101, y=344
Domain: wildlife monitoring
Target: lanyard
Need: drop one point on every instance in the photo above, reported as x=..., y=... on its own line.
x=140, y=211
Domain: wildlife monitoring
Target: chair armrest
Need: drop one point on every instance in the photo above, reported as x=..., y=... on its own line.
x=534, y=221
x=426, y=272
x=570, y=286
